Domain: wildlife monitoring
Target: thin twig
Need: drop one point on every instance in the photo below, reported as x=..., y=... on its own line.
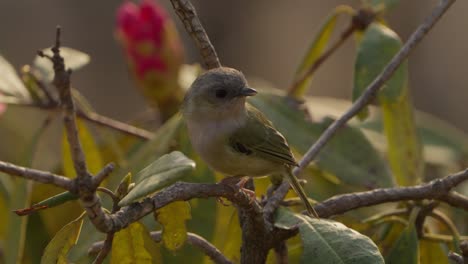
x=456, y=200
x=103, y=174
x=36, y=175
x=192, y=24
x=115, y=124
x=368, y=95
x=105, y=248
x=84, y=183
x=193, y=239
x=62, y=83
x=322, y=58
x=436, y=214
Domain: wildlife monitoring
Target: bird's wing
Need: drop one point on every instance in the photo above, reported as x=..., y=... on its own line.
x=258, y=137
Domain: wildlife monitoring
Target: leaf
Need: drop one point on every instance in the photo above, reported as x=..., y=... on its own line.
x=349, y=155
x=432, y=252
x=89, y=146
x=406, y=250
x=11, y=85
x=21, y=198
x=132, y=245
x=164, y=171
x=317, y=47
x=326, y=241
x=6, y=186
x=378, y=46
x=403, y=146
x=58, y=248
x=50, y=202
x=173, y=217
x=74, y=60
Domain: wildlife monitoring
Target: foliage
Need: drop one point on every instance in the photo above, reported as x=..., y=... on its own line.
x=387, y=145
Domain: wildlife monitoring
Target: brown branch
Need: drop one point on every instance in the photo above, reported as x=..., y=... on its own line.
x=84, y=184
x=36, y=175
x=62, y=83
x=456, y=200
x=105, y=248
x=192, y=24
x=103, y=174
x=193, y=239
x=435, y=190
x=115, y=124
x=370, y=92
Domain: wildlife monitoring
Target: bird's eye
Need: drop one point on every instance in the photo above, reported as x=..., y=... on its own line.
x=221, y=93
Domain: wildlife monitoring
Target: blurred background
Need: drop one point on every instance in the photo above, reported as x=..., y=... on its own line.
x=264, y=39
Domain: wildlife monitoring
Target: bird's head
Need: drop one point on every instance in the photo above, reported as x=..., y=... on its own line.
x=216, y=94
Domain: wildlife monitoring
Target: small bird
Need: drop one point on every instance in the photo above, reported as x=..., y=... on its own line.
x=232, y=136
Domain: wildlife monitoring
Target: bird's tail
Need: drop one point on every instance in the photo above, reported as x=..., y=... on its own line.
x=300, y=191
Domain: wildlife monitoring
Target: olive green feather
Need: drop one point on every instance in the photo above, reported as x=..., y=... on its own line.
x=258, y=137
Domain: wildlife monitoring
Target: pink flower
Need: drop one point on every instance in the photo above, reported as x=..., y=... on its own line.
x=154, y=52
x=2, y=108
x=142, y=31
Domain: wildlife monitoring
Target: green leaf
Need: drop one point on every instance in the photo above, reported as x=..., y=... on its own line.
x=164, y=171
x=349, y=155
x=405, y=250
x=317, y=47
x=326, y=241
x=58, y=248
x=376, y=49
x=90, y=148
x=173, y=217
x=132, y=245
x=57, y=200
x=11, y=85
x=74, y=60
x=378, y=46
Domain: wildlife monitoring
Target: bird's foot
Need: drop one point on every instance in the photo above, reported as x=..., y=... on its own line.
x=251, y=194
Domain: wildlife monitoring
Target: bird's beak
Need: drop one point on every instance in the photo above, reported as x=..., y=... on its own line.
x=246, y=91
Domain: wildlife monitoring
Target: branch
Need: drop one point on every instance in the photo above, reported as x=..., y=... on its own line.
x=436, y=190
x=84, y=184
x=371, y=90
x=192, y=24
x=62, y=83
x=36, y=175
x=193, y=239
x=116, y=125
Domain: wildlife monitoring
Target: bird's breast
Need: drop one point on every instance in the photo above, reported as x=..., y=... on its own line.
x=211, y=142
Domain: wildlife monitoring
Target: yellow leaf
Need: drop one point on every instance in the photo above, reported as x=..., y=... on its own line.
x=432, y=253
x=133, y=245
x=404, y=149
x=172, y=217
x=57, y=249
x=90, y=148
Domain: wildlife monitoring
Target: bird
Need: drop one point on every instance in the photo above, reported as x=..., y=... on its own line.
x=232, y=136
